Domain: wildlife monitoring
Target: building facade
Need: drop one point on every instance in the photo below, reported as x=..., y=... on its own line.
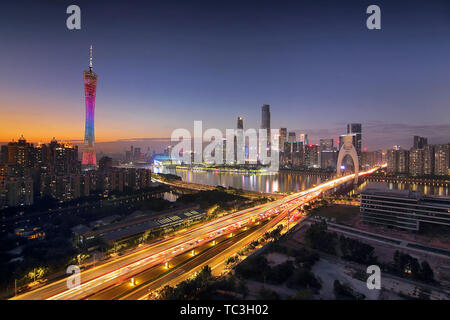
x=403, y=209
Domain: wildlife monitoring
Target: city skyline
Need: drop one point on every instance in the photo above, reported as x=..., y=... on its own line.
x=165, y=90
x=237, y=151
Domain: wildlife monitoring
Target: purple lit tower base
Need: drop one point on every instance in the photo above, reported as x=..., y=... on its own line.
x=89, y=158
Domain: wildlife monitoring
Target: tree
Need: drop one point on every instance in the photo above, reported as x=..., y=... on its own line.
x=303, y=278
x=267, y=294
x=426, y=273
x=318, y=238
x=304, y=294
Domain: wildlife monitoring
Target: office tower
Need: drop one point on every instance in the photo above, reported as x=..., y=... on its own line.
x=442, y=159
x=265, y=121
x=326, y=144
x=328, y=154
x=356, y=128
x=292, y=137
x=240, y=123
x=282, y=139
x=90, y=87
x=137, y=154
x=224, y=150
x=311, y=156
x=239, y=143
x=419, y=142
x=293, y=155
x=303, y=138
x=128, y=156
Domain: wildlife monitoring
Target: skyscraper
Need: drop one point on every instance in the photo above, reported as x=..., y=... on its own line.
x=239, y=143
x=397, y=160
x=265, y=120
x=356, y=128
x=90, y=88
x=328, y=154
x=416, y=162
x=442, y=159
x=240, y=123
x=283, y=138
x=303, y=138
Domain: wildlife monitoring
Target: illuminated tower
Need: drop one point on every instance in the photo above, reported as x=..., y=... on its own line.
x=90, y=86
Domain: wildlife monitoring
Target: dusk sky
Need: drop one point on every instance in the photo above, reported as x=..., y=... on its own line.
x=164, y=64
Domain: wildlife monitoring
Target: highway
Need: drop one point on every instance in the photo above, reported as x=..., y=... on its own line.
x=110, y=275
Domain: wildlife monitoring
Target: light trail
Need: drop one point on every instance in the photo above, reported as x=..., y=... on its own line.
x=103, y=276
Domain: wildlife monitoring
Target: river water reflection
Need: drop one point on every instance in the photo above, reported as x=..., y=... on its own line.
x=280, y=182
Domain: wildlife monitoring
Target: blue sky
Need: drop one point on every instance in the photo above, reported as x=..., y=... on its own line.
x=164, y=64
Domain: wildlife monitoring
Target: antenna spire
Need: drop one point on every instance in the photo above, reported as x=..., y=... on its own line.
x=90, y=59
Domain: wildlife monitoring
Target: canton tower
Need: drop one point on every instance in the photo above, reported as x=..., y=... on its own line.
x=90, y=87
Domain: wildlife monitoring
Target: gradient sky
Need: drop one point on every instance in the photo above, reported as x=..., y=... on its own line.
x=164, y=64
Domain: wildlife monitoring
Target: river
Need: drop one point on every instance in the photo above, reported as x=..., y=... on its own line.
x=280, y=182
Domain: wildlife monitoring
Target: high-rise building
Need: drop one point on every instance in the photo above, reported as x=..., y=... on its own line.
x=326, y=144
x=293, y=155
x=20, y=157
x=312, y=156
x=397, y=160
x=4, y=154
x=328, y=154
x=240, y=123
x=265, y=121
x=105, y=165
x=239, y=143
x=20, y=192
x=292, y=137
x=20, y=153
x=137, y=154
x=283, y=138
x=90, y=88
x=356, y=129
x=66, y=159
x=303, y=138
x=370, y=159
x=416, y=162
x=442, y=159
x=428, y=159
x=419, y=142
